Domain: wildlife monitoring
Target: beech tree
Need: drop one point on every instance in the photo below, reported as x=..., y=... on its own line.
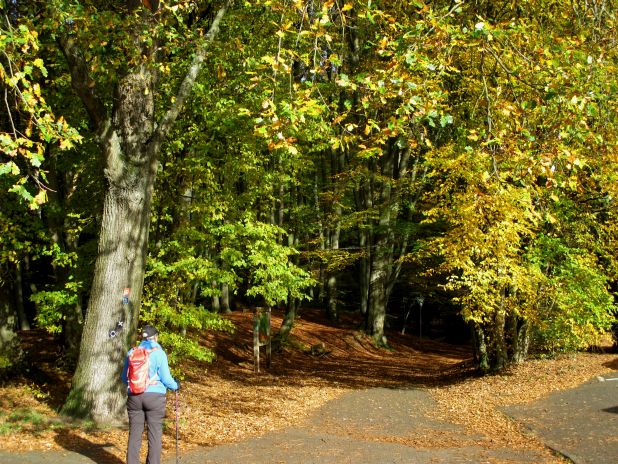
x=116, y=54
x=533, y=149
x=29, y=133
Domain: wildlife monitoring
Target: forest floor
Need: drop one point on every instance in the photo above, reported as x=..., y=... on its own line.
x=226, y=402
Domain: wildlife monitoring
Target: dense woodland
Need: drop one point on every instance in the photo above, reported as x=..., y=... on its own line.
x=446, y=167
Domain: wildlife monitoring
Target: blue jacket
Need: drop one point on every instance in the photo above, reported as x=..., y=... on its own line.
x=159, y=369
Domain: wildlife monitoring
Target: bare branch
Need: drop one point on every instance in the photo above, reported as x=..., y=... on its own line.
x=81, y=81
x=187, y=84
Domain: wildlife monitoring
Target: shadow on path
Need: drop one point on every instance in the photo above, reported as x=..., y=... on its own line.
x=93, y=451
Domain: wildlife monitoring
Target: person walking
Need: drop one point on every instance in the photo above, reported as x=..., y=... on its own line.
x=146, y=404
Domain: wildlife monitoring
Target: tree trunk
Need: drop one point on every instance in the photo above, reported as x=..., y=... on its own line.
x=334, y=231
x=519, y=338
x=130, y=144
x=225, y=299
x=22, y=318
x=365, y=275
x=480, y=347
x=332, y=293
x=97, y=392
x=288, y=321
x=215, y=301
x=376, y=313
x=501, y=356
x=10, y=352
x=381, y=256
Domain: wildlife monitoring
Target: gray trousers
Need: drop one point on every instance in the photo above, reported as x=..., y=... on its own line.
x=146, y=408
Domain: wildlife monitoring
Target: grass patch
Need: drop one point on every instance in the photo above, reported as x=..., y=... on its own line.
x=21, y=419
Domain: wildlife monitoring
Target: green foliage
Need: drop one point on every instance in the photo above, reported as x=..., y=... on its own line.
x=575, y=306
x=319, y=124
x=58, y=299
x=53, y=305
x=272, y=275
x=181, y=326
x=5, y=362
x=180, y=321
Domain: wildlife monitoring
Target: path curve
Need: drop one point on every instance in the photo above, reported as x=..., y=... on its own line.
x=381, y=426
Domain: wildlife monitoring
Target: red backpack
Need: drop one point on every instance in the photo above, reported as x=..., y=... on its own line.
x=138, y=373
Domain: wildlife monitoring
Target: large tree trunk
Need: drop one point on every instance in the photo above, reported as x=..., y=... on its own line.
x=97, y=391
x=130, y=144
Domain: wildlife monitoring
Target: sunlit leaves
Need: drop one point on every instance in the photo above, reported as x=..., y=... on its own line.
x=528, y=92
x=29, y=127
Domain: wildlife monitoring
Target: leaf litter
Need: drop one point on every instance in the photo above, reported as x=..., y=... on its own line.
x=226, y=401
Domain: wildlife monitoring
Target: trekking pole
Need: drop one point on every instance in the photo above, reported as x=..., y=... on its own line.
x=177, y=427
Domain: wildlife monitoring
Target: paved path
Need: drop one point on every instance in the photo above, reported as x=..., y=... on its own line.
x=377, y=426
x=382, y=426
x=581, y=423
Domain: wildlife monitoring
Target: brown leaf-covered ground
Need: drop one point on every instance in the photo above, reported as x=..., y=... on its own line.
x=226, y=401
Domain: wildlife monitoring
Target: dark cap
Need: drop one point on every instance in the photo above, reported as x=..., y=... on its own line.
x=149, y=331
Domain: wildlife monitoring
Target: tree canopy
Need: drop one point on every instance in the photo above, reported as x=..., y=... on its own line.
x=175, y=160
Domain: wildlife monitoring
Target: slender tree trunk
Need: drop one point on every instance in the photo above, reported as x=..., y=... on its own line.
x=480, y=347
x=376, y=313
x=364, y=201
x=365, y=276
x=381, y=253
x=519, y=338
x=225, y=299
x=334, y=233
x=288, y=321
x=321, y=290
x=22, y=318
x=500, y=352
x=215, y=300
x=331, y=292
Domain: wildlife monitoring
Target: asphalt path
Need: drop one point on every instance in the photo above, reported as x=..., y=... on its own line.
x=382, y=426
x=581, y=423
